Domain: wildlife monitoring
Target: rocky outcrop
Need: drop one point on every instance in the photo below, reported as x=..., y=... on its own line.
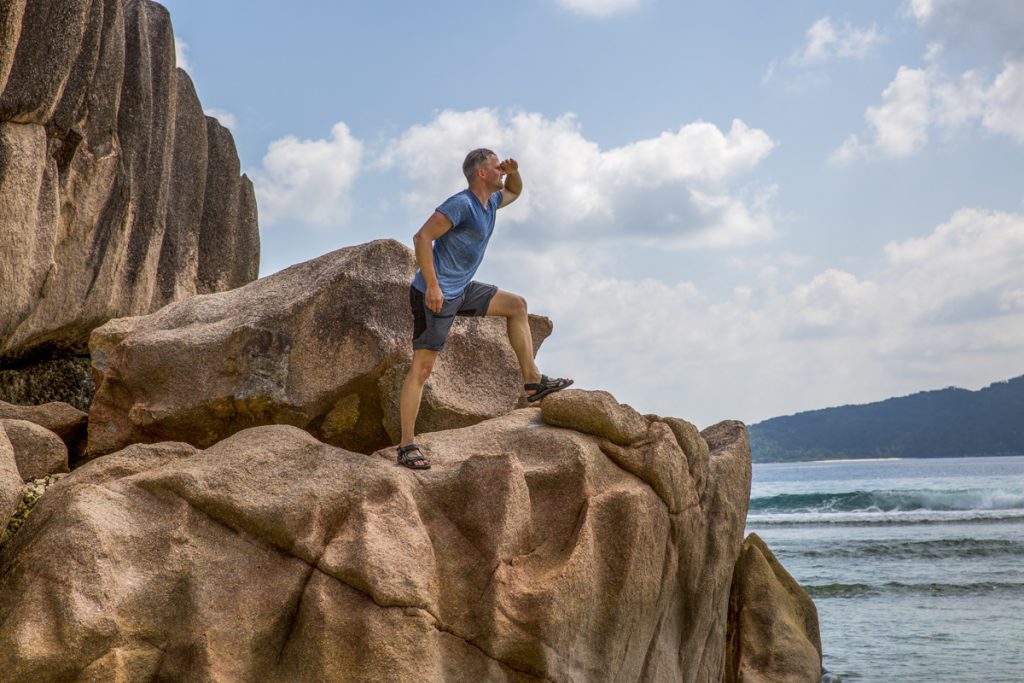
x=528, y=552
x=322, y=345
x=773, y=624
x=117, y=195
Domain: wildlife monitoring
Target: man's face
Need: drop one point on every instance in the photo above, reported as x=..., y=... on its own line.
x=491, y=174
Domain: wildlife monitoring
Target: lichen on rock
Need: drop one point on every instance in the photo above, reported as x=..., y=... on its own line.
x=34, y=490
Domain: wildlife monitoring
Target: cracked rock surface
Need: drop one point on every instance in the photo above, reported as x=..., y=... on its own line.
x=527, y=553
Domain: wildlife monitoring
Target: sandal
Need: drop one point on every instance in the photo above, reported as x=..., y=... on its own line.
x=547, y=385
x=413, y=462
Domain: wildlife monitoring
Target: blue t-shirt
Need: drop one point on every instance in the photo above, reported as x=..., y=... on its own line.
x=458, y=252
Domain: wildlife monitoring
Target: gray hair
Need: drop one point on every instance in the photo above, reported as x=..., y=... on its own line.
x=474, y=160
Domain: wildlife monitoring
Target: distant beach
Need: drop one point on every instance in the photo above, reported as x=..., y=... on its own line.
x=859, y=459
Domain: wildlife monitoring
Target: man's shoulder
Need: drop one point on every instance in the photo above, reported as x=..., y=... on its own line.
x=462, y=197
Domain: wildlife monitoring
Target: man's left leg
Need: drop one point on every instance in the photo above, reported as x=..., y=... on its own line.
x=512, y=307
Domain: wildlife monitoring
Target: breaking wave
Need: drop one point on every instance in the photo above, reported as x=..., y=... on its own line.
x=922, y=506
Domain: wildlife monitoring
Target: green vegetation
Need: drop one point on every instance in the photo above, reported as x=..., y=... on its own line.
x=931, y=424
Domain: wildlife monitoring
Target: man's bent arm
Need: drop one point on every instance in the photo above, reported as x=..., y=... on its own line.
x=513, y=182
x=423, y=241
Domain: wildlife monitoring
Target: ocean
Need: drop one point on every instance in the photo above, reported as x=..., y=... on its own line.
x=916, y=566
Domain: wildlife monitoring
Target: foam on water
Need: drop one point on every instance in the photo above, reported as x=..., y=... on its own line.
x=916, y=566
x=879, y=518
x=891, y=501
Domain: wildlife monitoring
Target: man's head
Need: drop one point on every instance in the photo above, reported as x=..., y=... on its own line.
x=483, y=164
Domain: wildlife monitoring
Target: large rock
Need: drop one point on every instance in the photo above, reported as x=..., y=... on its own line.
x=323, y=346
x=66, y=421
x=37, y=451
x=773, y=623
x=526, y=553
x=109, y=175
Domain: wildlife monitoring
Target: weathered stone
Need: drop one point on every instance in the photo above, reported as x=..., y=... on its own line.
x=10, y=480
x=49, y=43
x=245, y=258
x=102, y=156
x=37, y=451
x=292, y=348
x=694, y=446
x=11, y=14
x=525, y=553
x=23, y=198
x=145, y=127
x=594, y=412
x=773, y=624
x=220, y=210
x=179, y=254
x=66, y=421
x=69, y=111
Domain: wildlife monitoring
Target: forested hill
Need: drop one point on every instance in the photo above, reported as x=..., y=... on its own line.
x=946, y=423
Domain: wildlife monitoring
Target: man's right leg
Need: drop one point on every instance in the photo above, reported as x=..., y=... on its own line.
x=412, y=392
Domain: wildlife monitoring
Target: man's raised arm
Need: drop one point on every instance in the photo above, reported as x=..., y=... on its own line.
x=423, y=242
x=513, y=182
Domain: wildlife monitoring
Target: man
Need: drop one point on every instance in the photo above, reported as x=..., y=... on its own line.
x=449, y=249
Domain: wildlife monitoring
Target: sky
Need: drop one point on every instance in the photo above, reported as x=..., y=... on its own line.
x=731, y=210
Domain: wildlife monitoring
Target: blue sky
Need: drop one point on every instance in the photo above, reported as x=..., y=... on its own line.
x=732, y=210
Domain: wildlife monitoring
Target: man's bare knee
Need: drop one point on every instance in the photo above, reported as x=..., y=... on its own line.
x=518, y=306
x=421, y=368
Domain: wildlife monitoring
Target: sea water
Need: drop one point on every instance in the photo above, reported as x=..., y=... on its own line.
x=916, y=566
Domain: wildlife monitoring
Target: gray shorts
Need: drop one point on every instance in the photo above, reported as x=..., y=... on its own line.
x=430, y=330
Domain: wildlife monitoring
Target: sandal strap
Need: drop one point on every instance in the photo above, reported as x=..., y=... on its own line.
x=545, y=383
x=404, y=451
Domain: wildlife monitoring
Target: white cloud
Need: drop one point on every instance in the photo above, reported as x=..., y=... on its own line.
x=922, y=10
x=1004, y=112
x=181, y=55
x=966, y=268
x=226, y=118
x=826, y=41
x=986, y=27
x=677, y=187
x=948, y=308
x=599, y=8
x=901, y=124
x=833, y=299
x=920, y=101
x=309, y=181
